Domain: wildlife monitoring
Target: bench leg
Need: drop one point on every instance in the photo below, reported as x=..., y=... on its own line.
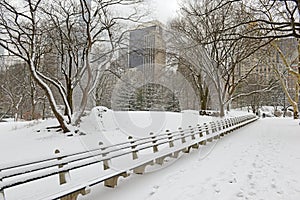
x=74, y=195
x=176, y=154
x=160, y=160
x=112, y=182
x=217, y=137
x=195, y=146
x=202, y=142
x=155, y=148
x=2, y=196
x=134, y=155
x=187, y=150
x=63, y=176
x=141, y=169
x=105, y=165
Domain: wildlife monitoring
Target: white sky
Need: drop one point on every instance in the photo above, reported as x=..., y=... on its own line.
x=163, y=9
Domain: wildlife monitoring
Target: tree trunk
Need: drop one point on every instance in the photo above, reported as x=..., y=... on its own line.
x=50, y=97
x=86, y=62
x=58, y=116
x=228, y=107
x=33, y=110
x=86, y=90
x=296, y=114
x=222, y=110
x=32, y=91
x=69, y=100
x=221, y=103
x=204, y=99
x=44, y=109
x=203, y=105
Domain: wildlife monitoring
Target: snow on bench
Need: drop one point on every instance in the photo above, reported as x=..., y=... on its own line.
x=67, y=176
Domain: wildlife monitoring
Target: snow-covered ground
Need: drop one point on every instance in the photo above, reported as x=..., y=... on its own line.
x=259, y=161
x=26, y=141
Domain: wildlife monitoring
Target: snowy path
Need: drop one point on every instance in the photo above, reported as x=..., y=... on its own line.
x=259, y=161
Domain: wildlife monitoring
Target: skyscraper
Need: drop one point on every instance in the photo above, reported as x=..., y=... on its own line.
x=149, y=84
x=147, y=47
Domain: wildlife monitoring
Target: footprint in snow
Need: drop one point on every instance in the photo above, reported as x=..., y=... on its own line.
x=252, y=185
x=232, y=181
x=273, y=185
x=154, y=190
x=258, y=166
x=251, y=193
x=240, y=194
x=216, y=188
x=280, y=192
x=250, y=176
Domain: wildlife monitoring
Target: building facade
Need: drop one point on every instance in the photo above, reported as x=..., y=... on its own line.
x=147, y=48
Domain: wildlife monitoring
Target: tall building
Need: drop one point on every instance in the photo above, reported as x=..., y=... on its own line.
x=148, y=83
x=147, y=47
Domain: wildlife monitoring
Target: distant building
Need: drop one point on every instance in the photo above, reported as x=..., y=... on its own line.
x=147, y=47
x=289, y=47
x=260, y=71
x=140, y=79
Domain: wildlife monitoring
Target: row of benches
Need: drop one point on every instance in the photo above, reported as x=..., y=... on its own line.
x=107, y=163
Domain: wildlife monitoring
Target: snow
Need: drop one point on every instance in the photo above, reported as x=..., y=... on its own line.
x=259, y=161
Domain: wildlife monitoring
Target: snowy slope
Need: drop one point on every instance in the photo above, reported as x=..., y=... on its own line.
x=259, y=161
x=117, y=126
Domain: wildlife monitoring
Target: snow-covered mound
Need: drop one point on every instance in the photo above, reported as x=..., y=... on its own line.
x=117, y=126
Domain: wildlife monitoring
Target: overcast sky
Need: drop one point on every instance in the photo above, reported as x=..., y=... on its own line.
x=163, y=9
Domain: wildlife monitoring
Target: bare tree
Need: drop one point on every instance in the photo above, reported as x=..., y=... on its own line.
x=20, y=94
x=197, y=78
x=106, y=23
x=274, y=19
x=257, y=90
x=21, y=36
x=86, y=38
x=190, y=69
x=203, y=23
x=90, y=24
x=267, y=19
x=13, y=87
x=286, y=71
